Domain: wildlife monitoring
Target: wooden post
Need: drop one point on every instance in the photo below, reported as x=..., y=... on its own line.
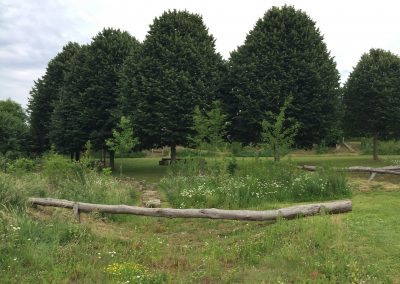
x=173, y=153
x=75, y=209
x=112, y=160
x=77, y=155
x=375, y=146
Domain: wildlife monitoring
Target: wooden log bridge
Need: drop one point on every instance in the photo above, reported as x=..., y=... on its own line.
x=333, y=207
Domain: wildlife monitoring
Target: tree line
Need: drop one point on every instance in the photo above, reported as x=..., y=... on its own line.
x=160, y=85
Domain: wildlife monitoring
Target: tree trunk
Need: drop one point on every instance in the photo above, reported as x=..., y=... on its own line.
x=277, y=156
x=293, y=212
x=375, y=142
x=103, y=157
x=77, y=156
x=112, y=160
x=173, y=153
x=72, y=156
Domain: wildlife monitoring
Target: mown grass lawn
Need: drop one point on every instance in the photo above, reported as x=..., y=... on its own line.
x=140, y=168
x=45, y=245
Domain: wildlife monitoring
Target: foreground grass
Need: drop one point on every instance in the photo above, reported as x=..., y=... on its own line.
x=362, y=246
x=44, y=245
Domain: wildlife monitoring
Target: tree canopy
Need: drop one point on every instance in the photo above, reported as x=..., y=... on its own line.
x=105, y=57
x=66, y=126
x=88, y=102
x=44, y=95
x=177, y=68
x=13, y=128
x=157, y=84
x=372, y=97
x=284, y=55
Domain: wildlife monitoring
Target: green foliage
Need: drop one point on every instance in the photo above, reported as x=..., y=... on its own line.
x=61, y=178
x=223, y=185
x=390, y=147
x=58, y=169
x=277, y=134
x=251, y=150
x=232, y=166
x=284, y=54
x=66, y=121
x=236, y=147
x=321, y=148
x=87, y=108
x=210, y=127
x=176, y=68
x=45, y=94
x=106, y=55
x=13, y=129
x=22, y=165
x=122, y=140
x=372, y=96
x=200, y=127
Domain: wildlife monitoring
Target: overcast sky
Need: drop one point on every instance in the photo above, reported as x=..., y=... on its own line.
x=33, y=32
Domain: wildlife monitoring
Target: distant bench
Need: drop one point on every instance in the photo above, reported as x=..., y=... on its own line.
x=167, y=161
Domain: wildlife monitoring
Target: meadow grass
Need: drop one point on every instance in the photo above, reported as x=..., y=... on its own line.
x=148, y=168
x=359, y=247
x=45, y=245
x=224, y=184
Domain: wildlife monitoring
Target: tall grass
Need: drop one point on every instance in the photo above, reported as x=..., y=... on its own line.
x=47, y=246
x=57, y=177
x=197, y=184
x=390, y=147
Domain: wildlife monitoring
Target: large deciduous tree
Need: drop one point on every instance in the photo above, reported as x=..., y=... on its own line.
x=13, y=129
x=67, y=128
x=105, y=57
x=284, y=55
x=372, y=97
x=88, y=102
x=43, y=96
x=177, y=69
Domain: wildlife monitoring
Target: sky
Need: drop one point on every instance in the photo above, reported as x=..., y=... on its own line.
x=33, y=32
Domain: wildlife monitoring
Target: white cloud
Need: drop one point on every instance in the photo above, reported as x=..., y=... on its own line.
x=32, y=32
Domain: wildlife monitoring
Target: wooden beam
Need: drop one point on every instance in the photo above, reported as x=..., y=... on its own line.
x=394, y=170
x=333, y=207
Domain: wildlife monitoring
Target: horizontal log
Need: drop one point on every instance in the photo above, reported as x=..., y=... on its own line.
x=373, y=170
x=333, y=207
x=394, y=170
x=308, y=168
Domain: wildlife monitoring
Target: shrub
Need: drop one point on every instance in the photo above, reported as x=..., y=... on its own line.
x=62, y=178
x=22, y=165
x=236, y=148
x=321, y=148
